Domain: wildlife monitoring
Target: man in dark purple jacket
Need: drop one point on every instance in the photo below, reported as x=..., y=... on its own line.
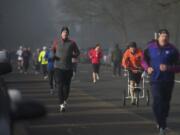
x=160, y=61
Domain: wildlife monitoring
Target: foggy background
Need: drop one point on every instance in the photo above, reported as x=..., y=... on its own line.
x=35, y=23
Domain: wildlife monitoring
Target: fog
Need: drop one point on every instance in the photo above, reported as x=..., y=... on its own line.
x=35, y=23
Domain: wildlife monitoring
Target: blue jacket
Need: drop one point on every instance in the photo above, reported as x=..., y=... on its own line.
x=155, y=55
x=49, y=56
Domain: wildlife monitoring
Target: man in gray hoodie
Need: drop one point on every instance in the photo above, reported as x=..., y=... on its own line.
x=64, y=50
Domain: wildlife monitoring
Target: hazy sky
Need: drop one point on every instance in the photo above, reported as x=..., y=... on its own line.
x=36, y=23
x=25, y=22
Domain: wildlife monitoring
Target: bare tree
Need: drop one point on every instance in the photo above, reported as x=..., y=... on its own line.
x=117, y=15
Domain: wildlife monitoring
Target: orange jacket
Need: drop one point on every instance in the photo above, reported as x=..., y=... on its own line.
x=132, y=61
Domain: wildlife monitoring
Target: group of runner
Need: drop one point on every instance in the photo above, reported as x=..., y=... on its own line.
x=159, y=60
x=23, y=58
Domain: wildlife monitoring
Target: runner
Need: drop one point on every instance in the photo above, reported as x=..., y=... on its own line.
x=116, y=56
x=30, y=59
x=20, y=59
x=160, y=60
x=132, y=62
x=49, y=57
x=36, y=62
x=43, y=62
x=26, y=59
x=64, y=50
x=95, y=55
x=75, y=64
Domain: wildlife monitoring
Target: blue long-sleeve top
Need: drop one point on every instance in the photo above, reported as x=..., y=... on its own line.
x=154, y=55
x=49, y=57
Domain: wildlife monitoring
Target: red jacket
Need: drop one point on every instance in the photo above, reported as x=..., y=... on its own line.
x=95, y=56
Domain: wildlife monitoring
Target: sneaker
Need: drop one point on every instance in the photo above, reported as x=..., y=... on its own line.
x=65, y=103
x=97, y=76
x=94, y=81
x=157, y=126
x=62, y=108
x=45, y=77
x=162, y=131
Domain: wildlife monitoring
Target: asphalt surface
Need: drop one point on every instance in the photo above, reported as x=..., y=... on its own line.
x=93, y=109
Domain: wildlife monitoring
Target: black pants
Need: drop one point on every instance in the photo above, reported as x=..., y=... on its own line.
x=26, y=66
x=63, y=82
x=37, y=67
x=116, y=67
x=44, y=70
x=74, y=67
x=136, y=77
x=51, y=78
x=161, y=93
x=96, y=68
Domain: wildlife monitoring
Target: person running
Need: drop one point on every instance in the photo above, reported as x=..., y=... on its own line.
x=116, y=56
x=95, y=55
x=36, y=62
x=49, y=57
x=26, y=59
x=43, y=62
x=160, y=60
x=132, y=62
x=64, y=50
x=30, y=59
x=20, y=59
x=75, y=64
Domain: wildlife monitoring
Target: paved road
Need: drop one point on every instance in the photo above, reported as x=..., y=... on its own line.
x=92, y=108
